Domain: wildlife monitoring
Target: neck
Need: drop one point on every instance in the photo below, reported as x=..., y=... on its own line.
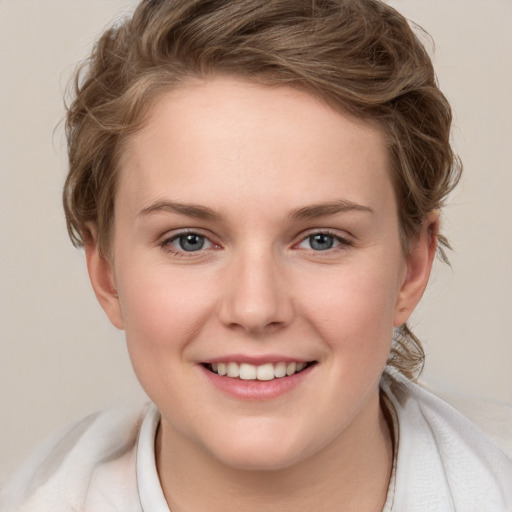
x=351, y=474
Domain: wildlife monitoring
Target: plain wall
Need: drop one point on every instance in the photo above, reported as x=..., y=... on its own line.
x=60, y=358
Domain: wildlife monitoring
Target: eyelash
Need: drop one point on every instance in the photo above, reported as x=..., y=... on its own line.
x=167, y=244
x=342, y=243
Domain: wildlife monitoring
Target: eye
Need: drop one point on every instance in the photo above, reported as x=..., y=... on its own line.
x=322, y=242
x=188, y=242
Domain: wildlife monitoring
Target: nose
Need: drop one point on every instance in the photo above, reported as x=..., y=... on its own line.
x=256, y=298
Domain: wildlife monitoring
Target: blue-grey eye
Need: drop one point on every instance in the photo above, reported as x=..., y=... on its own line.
x=190, y=242
x=321, y=242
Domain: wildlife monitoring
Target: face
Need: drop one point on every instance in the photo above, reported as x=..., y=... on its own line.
x=256, y=233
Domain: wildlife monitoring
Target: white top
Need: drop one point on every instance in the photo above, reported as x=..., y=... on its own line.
x=106, y=462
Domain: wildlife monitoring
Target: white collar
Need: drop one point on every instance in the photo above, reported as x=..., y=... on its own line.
x=148, y=484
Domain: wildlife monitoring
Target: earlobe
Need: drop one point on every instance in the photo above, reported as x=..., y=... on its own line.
x=101, y=274
x=418, y=266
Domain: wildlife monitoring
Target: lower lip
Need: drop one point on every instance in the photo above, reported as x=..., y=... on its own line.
x=256, y=389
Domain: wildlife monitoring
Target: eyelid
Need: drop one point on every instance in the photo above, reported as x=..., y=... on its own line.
x=166, y=241
x=177, y=238
x=344, y=241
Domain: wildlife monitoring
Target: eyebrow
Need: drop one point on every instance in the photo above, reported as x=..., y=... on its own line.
x=190, y=210
x=304, y=213
x=331, y=208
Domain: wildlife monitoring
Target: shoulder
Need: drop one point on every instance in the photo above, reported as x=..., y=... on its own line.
x=443, y=456
x=494, y=418
x=63, y=473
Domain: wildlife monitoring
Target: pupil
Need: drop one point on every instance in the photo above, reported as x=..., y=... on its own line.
x=191, y=242
x=321, y=242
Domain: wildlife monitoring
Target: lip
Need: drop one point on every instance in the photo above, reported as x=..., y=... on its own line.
x=255, y=360
x=255, y=390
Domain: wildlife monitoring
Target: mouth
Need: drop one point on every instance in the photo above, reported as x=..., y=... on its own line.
x=263, y=372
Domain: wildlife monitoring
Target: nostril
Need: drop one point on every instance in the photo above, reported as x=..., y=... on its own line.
x=255, y=303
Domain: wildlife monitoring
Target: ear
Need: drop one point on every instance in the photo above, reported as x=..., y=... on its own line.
x=101, y=274
x=418, y=266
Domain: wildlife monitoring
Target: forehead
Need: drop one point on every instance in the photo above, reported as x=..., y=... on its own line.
x=254, y=140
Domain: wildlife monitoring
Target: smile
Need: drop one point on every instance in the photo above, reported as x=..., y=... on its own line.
x=264, y=372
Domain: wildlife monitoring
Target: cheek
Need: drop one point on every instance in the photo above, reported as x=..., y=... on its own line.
x=355, y=310
x=162, y=308
x=163, y=313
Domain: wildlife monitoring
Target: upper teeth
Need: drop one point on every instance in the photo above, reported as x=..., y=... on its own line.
x=247, y=371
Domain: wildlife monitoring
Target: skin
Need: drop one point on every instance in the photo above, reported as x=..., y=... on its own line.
x=255, y=157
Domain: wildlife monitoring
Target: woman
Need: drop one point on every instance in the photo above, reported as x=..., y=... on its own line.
x=257, y=186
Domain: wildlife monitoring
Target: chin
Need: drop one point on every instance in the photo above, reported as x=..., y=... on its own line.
x=270, y=451
x=259, y=460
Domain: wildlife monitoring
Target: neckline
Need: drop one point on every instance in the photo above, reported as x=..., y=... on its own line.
x=150, y=491
x=391, y=417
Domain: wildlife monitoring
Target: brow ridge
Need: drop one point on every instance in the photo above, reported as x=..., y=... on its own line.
x=330, y=208
x=302, y=213
x=190, y=210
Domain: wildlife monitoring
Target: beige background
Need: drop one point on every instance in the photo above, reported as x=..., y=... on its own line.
x=59, y=357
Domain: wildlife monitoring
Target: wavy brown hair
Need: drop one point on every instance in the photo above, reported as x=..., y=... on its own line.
x=360, y=56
